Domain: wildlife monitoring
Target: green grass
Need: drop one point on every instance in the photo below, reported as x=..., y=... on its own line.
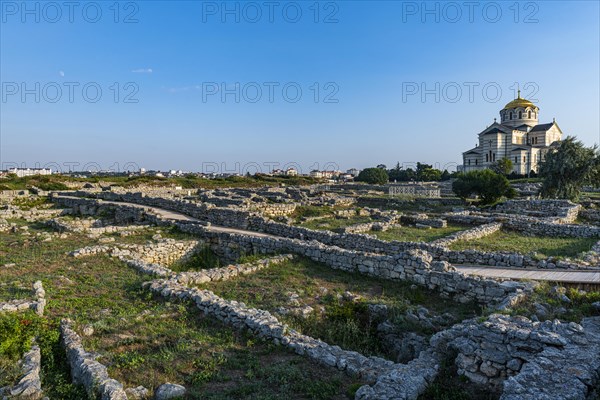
x=591, y=195
x=27, y=203
x=203, y=259
x=580, y=306
x=404, y=204
x=311, y=211
x=145, y=340
x=15, y=290
x=59, y=182
x=412, y=234
x=536, y=246
x=144, y=235
x=16, y=333
x=343, y=322
x=44, y=182
x=448, y=385
x=335, y=223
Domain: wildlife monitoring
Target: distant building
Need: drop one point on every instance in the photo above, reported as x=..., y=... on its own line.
x=518, y=137
x=21, y=172
x=417, y=190
x=331, y=174
x=353, y=171
x=291, y=172
x=325, y=174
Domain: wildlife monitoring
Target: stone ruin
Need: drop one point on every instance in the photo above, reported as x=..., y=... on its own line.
x=520, y=358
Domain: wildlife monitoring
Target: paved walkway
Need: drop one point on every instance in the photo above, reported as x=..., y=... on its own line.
x=566, y=276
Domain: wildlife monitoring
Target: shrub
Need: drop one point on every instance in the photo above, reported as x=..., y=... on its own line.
x=486, y=184
x=374, y=176
x=568, y=167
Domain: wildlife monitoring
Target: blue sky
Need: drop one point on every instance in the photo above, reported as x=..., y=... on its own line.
x=175, y=59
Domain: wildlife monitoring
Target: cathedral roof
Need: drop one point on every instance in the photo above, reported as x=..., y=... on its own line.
x=544, y=127
x=476, y=150
x=496, y=128
x=519, y=102
x=522, y=127
x=521, y=148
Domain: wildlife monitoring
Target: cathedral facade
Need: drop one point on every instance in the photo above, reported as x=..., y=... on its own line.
x=519, y=137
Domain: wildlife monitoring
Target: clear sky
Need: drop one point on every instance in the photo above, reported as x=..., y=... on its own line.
x=198, y=85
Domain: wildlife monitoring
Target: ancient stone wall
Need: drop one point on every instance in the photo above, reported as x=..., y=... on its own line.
x=35, y=214
x=552, y=227
x=423, y=219
x=85, y=370
x=274, y=209
x=562, y=209
x=29, y=385
x=165, y=251
x=389, y=380
x=504, y=347
x=537, y=228
x=469, y=234
x=592, y=215
x=415, y=266
x=36, y=305
x=364, y=243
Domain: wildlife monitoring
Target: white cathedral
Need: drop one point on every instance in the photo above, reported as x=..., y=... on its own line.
x=518, y=137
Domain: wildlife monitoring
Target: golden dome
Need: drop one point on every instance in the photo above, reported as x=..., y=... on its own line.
x=519, y=102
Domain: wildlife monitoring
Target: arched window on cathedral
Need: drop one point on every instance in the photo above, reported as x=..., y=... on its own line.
x=520, y=114
x=511, y=115
x=469, y=162
x=529, y=114
x=476, y=162
x=516, y=160
x=486, y=158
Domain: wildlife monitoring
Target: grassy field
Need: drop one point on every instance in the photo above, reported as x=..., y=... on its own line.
x=404, y=204
x=412, y=234
x=591, y=195
x=538, y=247
x=544, y=293
x=335, y=223
x=61, y=182
x=142, y=339
x=336, y=318
x=146, y=340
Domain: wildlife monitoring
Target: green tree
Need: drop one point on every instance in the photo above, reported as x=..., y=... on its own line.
x=426, y=172
x=395, y=173
x=487, y=184
x=503, y=166
x=446, y=175
x=374, y=176
x=569, y=166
